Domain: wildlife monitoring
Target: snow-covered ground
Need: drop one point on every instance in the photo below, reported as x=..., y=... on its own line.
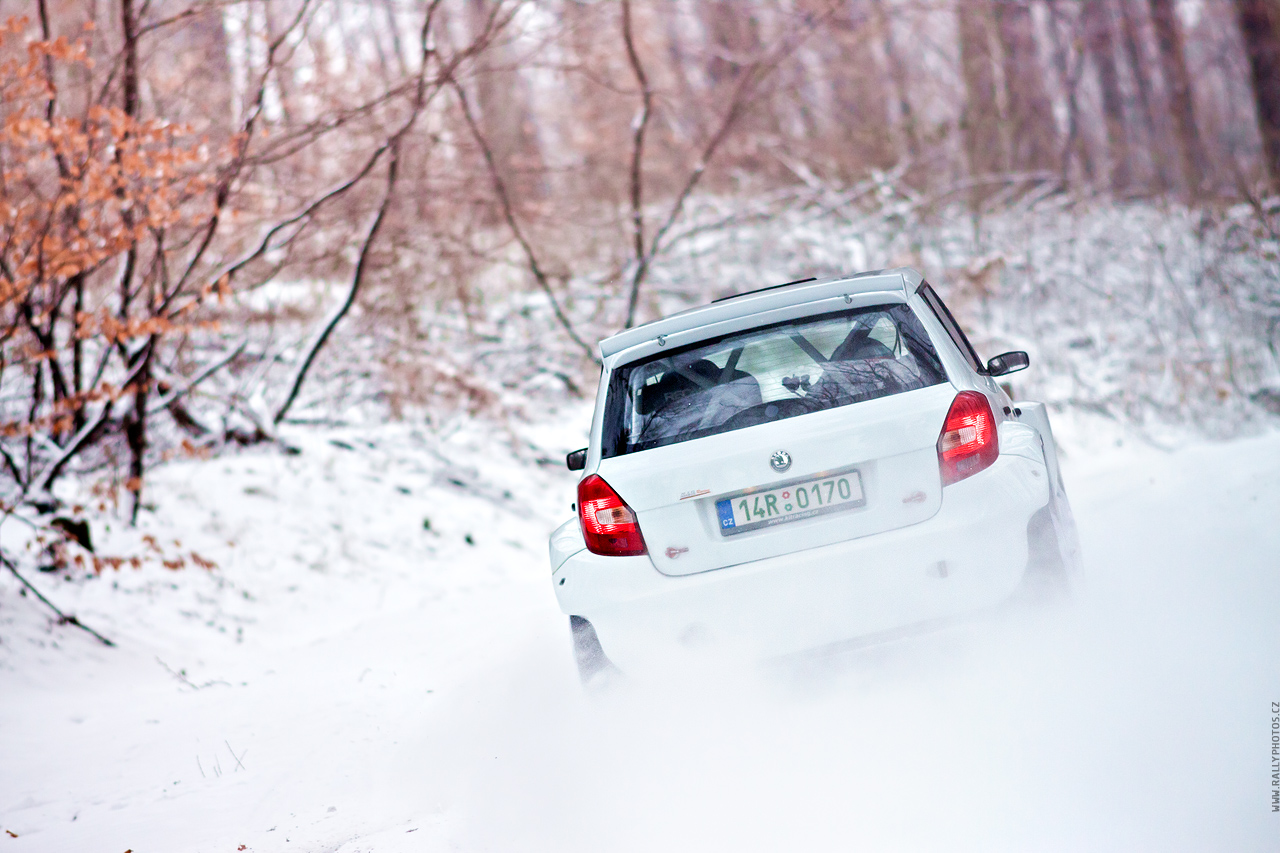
x=378, y=664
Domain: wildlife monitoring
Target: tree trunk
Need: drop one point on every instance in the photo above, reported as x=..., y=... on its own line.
x=1064, y=30
x=1260, y=27
x=898, y=74
x=135, y=433
x=1033, y=134
x=1101, y=47
x=77, y=352
x=1132, y=41
x=733, y=38
x=1173, y=66
x=734, y=45
x=129, y=83
x=506, y=114
x=860, y=93
x=135, y=423
x=980, y=118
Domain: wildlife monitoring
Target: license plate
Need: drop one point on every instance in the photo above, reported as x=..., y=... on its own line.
x=758, y=508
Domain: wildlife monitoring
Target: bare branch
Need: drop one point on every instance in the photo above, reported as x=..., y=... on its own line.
x=393, y=171
x=748, y=79
x=41, y=483
x=177, y=394
x=12, y=466
x=63, y=618
x=357, y=278
x=306, y=213
x=509, y=216
x=638, y=125
x=234, y=168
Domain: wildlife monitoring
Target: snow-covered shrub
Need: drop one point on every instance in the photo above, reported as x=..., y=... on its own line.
x=1160, y=315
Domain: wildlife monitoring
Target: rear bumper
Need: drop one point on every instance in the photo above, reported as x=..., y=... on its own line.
x=971, y=554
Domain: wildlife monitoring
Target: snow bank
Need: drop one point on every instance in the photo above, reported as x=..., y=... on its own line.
x=348, y=680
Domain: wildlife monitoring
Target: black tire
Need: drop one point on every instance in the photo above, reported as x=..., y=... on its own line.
x=1046, y=580
x=593, y=665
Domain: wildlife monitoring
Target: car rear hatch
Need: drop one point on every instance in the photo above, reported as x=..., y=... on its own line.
x=787, y=485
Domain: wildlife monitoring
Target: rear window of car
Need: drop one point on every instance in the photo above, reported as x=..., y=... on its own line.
x=767, y=374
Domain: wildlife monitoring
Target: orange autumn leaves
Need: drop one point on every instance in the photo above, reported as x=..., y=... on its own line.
x=76, y=191
x=82, y=188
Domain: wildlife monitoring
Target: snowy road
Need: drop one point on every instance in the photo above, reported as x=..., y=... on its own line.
x=352, y=681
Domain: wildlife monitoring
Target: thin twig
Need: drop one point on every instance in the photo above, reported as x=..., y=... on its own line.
x=639, y=125
x=357, y=278
x=239, y=763
x=265, y=244
x=63, y=618
x=420, y=101
x=178, y=393
x=181, y=675
x=509, y=216
x=41, y=484
x=748, y=79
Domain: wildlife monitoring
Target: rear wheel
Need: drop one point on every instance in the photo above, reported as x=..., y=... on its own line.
x=1046, y=579
x=594, y=666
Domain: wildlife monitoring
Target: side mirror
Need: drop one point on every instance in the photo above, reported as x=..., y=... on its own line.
x=1008, y=362
x=577, y=460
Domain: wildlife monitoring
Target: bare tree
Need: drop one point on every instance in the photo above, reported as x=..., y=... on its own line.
x=573, y=140
x=1065, y=28
x=898, y=74
x=1132, y=21
x=980, y=118
x=1173, y=66
x=502, y=99
x=1260, y=26
x=1032, y=132
x=861, y=93
x=746, y=74
x=507, y=207
x=1100, y=42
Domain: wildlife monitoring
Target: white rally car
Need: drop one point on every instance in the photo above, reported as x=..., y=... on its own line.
x=799, y=466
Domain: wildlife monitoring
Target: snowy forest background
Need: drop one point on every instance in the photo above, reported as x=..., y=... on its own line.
x=219, y=217
x=298, y=311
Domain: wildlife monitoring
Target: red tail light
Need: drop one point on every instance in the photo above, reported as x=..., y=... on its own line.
x=968, y=442
x=608, y=524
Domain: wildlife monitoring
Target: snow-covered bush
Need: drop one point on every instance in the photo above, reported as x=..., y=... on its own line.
x=1160, y=315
